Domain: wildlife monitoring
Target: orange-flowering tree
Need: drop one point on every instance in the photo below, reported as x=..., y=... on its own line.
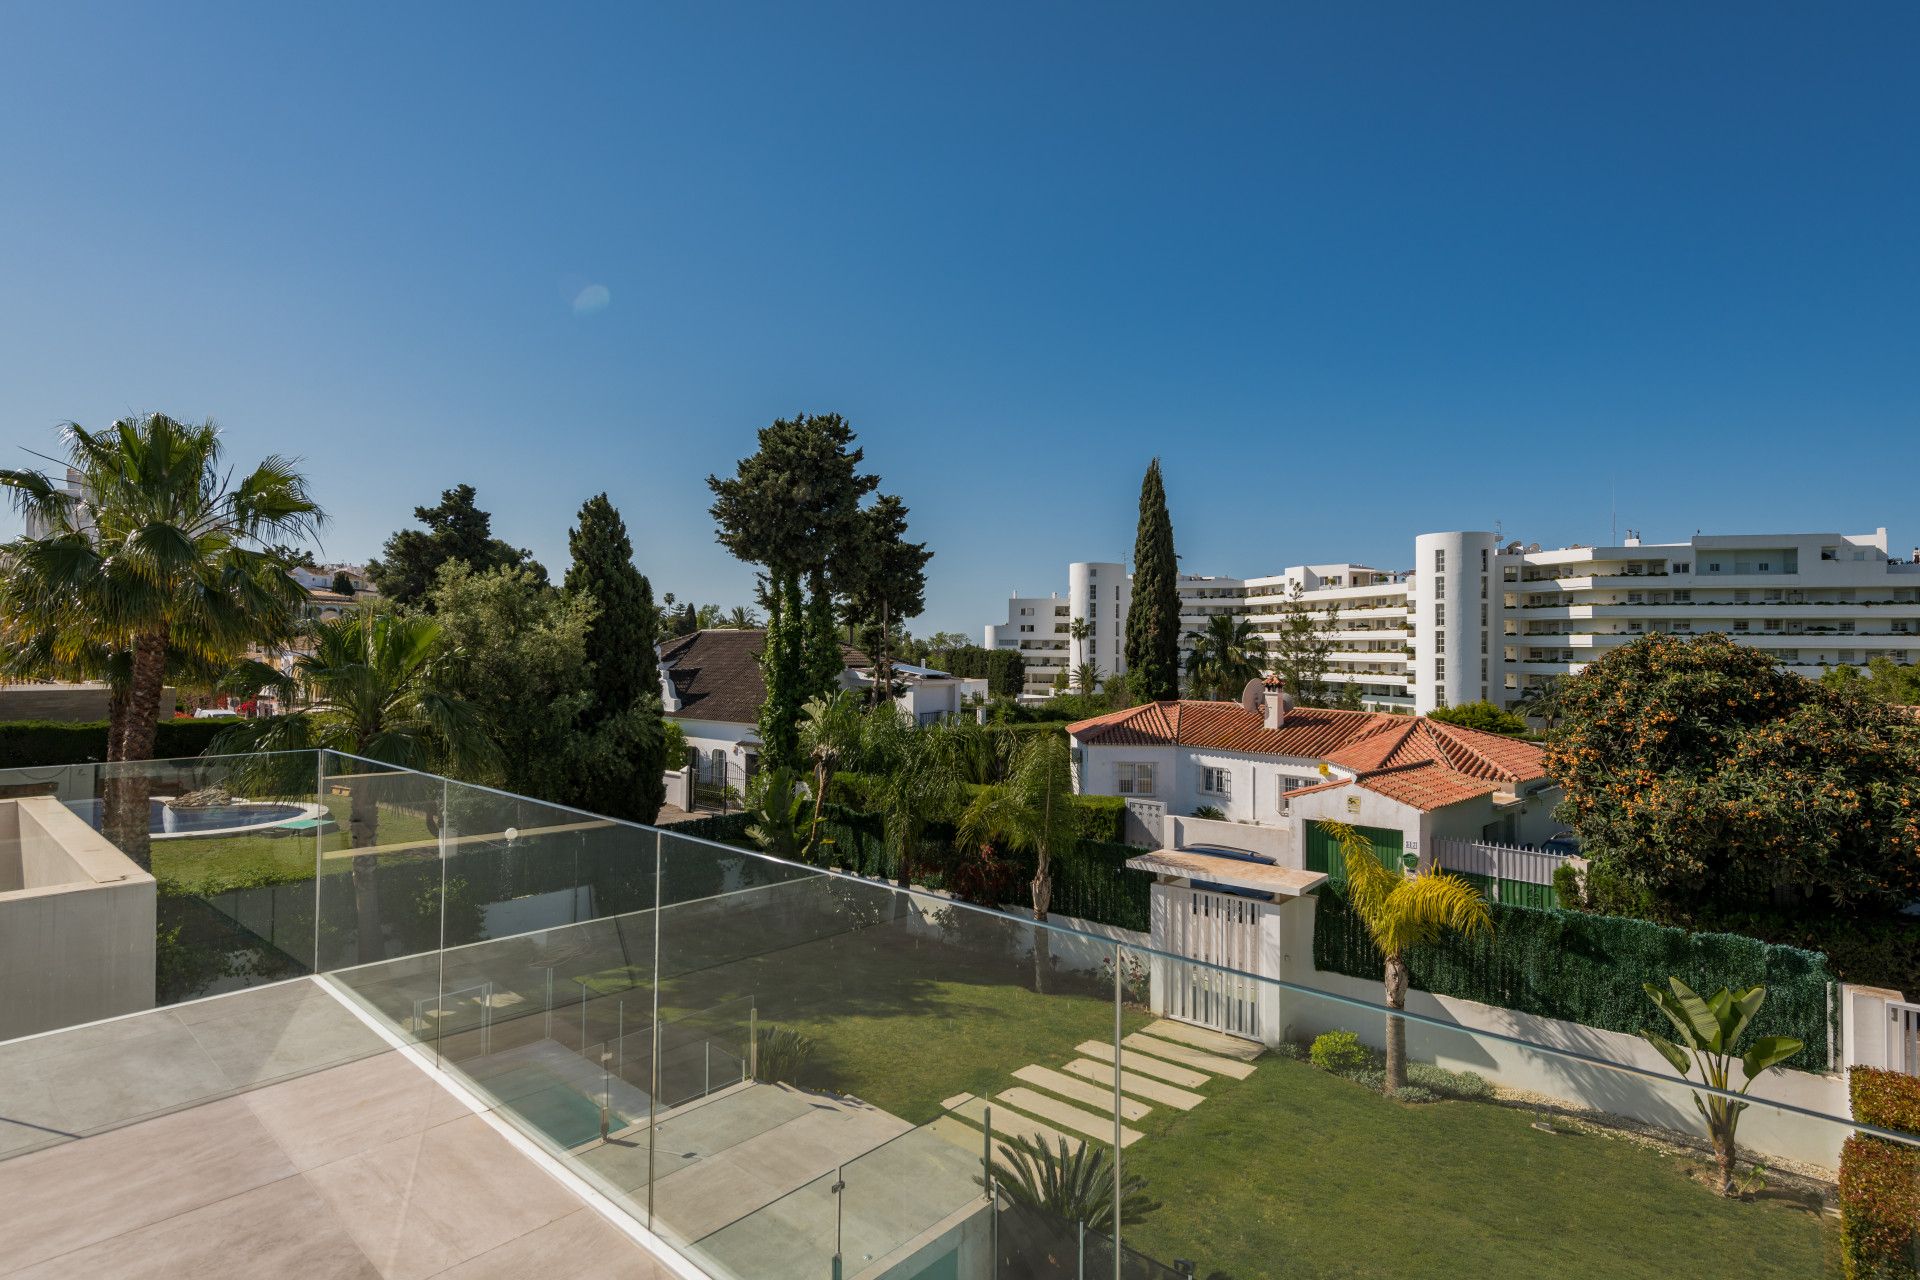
x=1699, y=771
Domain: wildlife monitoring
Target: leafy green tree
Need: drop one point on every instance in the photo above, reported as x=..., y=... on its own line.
x=793, y=507
x=342, y=583
x=1481, y=715
x=1153, y=619
x=1710, y=1031
x=457, y=531
x=1302, y=647
x=1223, y=656
x=1883, y=679
x=625, y=669
x=1700, y=772
x=1402, y=912
x=518, y=654
x=367, y=688
x=780, y=807
x=884, y=579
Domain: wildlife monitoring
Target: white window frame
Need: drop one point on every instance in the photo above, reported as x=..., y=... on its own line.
x=1128, y=775
x=1216, y=780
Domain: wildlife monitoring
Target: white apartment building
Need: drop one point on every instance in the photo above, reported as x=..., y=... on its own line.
x=1478, y=619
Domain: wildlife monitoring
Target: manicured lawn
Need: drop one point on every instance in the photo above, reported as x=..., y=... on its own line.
x=212, y=864
x=1295, y=1172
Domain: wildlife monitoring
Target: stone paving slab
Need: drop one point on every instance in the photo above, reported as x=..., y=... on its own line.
x=1185, y=1077
x=1078, y=1090
x=1188, y=1057
x=1014, y=1125
x=1141, y=1086
x=1067, y=1116
x=1215, y=1042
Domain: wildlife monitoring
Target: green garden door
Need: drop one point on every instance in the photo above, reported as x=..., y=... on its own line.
x=1323, y=851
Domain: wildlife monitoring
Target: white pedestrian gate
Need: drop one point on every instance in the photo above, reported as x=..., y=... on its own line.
x=1903, y=1037
x=1217, y=929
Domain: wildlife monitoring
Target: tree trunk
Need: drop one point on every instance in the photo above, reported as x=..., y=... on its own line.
x=1042, y=936
x=1720, y=1129
x=143, y=695
x=1396, y=1027
x=363, y=819
x=126, y=784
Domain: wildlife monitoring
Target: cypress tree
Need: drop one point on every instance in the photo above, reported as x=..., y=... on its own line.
x=626, y=672
x=783, y=669
x=1153, y=619
x=824, y=663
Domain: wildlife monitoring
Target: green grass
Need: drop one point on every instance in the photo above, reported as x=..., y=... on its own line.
x=1296, y=1164
x=213, y=864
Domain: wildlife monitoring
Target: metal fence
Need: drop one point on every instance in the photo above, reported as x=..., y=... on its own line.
x=1504, y=872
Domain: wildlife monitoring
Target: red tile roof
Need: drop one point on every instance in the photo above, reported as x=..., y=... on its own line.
x=1411, y=759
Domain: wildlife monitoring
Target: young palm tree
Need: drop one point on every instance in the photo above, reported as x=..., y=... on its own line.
x=1076, y=1186
x=919, y=781
x=153, y=554
x=1401, y=912
x=1031, y=812
x=1086, y=677
x=367, y=690
x=1223, y=656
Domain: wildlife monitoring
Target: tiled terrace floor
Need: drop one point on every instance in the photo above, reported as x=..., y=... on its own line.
x=360, y=1165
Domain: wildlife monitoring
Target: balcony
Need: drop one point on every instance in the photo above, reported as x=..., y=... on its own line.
x=405, y=1026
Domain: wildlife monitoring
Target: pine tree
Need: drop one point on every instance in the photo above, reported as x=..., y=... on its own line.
x=1153, y=619
x=626, y=673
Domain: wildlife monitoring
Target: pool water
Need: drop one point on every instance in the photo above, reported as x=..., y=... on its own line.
x=164, y=820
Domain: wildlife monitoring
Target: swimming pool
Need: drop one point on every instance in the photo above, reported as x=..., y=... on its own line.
x=164, y=821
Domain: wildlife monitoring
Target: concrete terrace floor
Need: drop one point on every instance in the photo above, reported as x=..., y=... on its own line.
x=269, y=1133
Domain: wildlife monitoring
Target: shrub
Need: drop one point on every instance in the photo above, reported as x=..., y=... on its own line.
x=1413, y=1093
x=1101, y=818
x=1465, y=1085
x=1880, y=1180
x=782, y=1055
x=1339, y=1052
x=25, y=743
x=1290, y=1051
x=1212, y=812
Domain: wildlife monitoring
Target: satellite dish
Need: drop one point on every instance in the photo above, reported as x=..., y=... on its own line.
x=1254, y=696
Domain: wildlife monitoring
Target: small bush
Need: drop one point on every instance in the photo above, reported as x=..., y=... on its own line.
x=1368, y=1078
x=1290, y=1051
x=1210, y=811
x=1339, y=1052
x=1465, y=1085
x=1414, y=1093
x=1879, y=1204
x=783, y=1055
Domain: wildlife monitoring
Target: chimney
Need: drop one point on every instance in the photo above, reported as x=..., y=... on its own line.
x=1276, y=702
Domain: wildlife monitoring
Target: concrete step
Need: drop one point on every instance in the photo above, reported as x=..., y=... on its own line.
x=1139, y=1085
x=1079, y=1090
x=1214, y=1042
x=1067, y=1116
x=1180, y=1053
x=1012, y=1124
x=1186, y=1077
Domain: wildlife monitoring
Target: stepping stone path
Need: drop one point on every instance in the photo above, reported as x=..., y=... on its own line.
x=1164, y=1065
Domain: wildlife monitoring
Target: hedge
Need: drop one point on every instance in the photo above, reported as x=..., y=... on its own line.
x=1880, y=1180
x=1004, y=670
x=1095, y=817
x=27, y=743
x=1588, y=969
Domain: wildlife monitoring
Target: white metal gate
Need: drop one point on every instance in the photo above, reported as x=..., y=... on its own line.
x=1219, y=929
x=1903, y=1037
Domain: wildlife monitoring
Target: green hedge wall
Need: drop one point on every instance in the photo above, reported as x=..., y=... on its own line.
x=1880, y=1179
x=1588, y=969
x=1093, y=883
x=26, y=743
x=1004, y=670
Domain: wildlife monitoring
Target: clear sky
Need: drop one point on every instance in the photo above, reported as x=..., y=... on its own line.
x=1354, y=271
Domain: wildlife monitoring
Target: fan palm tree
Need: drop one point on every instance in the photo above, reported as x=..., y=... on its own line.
x=1077, y=1186
x=367, y=690
x=1086, y=677
x=153, y=551
x=1401, y=912
x=1223, y=656
x=741, y=619
x=919, y=781
x=1030, y=813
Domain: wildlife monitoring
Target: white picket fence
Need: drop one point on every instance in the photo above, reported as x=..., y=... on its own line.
x=1501, y=863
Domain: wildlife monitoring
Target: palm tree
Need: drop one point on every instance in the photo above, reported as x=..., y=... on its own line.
x=1401, y=912
x=831, y=729
x=153, y=552
x=919, y=781
x=147, y=555
x=741, y=619
x=1081, y=630
x=1031, y=812
x=1076, y=1186
x=1223, y=656
x=1086, y=677
x=367, y=690
x=1542, y=701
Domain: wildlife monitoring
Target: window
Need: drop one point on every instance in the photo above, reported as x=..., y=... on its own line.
x=1216, y=782
x=1770, y=624
x=1846, y=628
x=1483, y=559
x=1134, y=779
x=1440, y=640
x=1713, y=566
x=1439, y=615
x=1439, y=588
x=1636, y=597
x=1026, y=626
x=1740, y=627
x=1483, y=677
x=1440, y=561
x=1787, y=655
x=1510, y=574
x=1900, y=628
x=1743, y=597
x=1683, y=597
x=1483, y=586
x=1440, y=670
x=1683, y=566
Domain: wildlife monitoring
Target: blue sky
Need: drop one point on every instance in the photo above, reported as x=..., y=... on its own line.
x=1352, y=271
